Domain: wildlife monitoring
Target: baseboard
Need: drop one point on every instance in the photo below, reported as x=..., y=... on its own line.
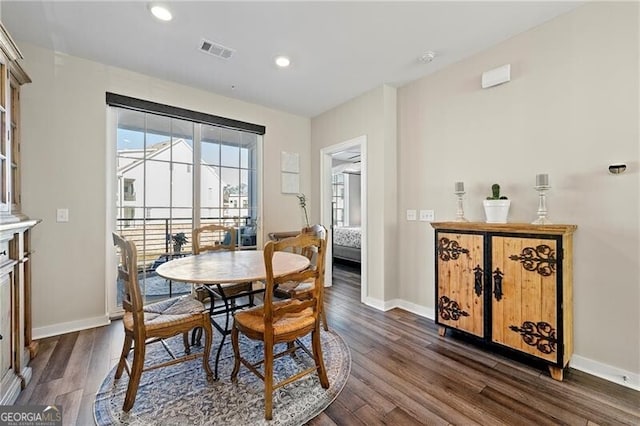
x=68, y=327
x=416, y=309
x=589, y=366
x=605, y=371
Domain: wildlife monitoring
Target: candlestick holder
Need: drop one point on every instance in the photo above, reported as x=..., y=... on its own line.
x=460, y=210
x=542, y=205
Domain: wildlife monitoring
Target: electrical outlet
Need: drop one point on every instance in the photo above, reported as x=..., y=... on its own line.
x=62, y=215
x=427, y=215
x=411, y=215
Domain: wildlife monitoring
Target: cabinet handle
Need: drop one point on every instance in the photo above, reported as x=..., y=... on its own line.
x=497, y=284
x=478, y=273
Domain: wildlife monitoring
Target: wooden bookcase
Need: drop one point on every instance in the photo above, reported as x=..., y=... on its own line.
x=509, y=285
x=16, y=344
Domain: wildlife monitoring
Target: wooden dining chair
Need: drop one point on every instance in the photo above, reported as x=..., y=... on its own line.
x=303, y=290
x=152, y=323
x=283, y=321
x=214, y=237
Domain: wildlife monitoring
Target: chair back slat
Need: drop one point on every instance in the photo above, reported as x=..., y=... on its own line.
x=212, y=238
x=128, y=273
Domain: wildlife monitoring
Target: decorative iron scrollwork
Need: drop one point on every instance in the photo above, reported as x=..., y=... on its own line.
x=477, y=273
x=450, y=309
x=541, y=335
x=450, y=249
x=541, y=259
x=497, y=284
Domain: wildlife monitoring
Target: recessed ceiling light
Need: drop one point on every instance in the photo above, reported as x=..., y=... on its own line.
x=160, y=11
x=282, y=61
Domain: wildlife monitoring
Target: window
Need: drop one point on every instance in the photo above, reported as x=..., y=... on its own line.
x=174, y=174
x=129, y=191
x=338, y=199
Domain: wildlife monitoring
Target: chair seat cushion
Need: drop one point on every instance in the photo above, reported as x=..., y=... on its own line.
x=252, y=319
x=167, y=312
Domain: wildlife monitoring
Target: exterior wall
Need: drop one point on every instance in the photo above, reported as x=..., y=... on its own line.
x=570, y=110
x=66, y=159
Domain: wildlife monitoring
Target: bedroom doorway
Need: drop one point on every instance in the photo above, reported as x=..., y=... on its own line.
x=343, y=208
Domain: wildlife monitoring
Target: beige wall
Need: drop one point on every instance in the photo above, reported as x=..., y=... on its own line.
x=65, y=155
x=373, y=115
x=570, y=110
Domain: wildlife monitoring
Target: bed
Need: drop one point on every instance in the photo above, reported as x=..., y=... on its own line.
x=346, y=243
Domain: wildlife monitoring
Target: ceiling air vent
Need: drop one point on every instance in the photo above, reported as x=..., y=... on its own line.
x=215, y=49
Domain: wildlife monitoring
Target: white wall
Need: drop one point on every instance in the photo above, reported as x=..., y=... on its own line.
x=373, y=115
x=570, y=110
x=64, y=152
x=353, y=183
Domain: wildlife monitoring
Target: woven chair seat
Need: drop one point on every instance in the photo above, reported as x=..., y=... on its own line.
x=253, y=319
x=167, y=313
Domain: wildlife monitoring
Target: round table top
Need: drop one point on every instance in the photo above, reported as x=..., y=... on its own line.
x=229, y=266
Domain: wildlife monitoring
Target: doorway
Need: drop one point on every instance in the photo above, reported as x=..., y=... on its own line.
x=349, y=156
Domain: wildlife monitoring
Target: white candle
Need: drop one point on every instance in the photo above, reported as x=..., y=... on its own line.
x=459, y=187
x=542, y=179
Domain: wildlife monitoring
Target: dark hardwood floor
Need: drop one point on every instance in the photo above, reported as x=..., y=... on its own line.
x=402, y=373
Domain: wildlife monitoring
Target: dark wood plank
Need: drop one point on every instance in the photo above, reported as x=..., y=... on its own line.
x=58, y=361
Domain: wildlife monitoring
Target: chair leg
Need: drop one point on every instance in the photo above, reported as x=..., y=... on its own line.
x=185, y=342
x=236, y=353
x=126, y=347
x=136, y=372
x=268, y=379
x=317, y=357
x=208, y=341
x=196, y=336
x=324, y=319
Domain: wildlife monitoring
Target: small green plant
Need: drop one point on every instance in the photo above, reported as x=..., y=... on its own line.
x=495, y=193
x=179, y=240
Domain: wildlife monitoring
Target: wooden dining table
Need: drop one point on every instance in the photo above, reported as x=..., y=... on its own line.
x=222, y=269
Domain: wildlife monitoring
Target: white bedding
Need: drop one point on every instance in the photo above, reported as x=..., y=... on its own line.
x=348, y=236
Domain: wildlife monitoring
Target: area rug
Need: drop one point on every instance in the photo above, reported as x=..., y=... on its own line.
x=180, y=394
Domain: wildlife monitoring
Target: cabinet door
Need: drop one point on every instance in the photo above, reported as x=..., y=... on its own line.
x=5, y=327
x=524, y=295
x=459, y=295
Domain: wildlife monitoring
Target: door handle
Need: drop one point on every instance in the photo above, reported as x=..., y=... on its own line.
x=478, y=273
x=497, y=284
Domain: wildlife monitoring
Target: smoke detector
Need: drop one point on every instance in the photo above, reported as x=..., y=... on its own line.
x=216, y=49
x=427, y=57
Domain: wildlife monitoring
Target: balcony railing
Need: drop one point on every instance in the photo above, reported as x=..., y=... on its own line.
x=152, y=237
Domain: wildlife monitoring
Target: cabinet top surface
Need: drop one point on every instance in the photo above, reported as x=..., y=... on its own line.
x=527, y=228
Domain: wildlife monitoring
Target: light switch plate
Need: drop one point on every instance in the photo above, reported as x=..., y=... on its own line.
x=62, y=215
x=411, y=215
x=427, y=215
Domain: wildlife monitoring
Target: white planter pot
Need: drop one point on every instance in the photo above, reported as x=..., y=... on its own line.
x=496, y=211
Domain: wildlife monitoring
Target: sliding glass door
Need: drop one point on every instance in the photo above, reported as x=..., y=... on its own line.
x=174, y=175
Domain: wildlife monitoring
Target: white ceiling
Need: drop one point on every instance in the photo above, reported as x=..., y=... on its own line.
x=338, y=50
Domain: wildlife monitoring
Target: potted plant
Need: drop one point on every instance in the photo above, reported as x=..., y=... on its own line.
x=496, y=207
x=179, y=240
x=302, y=199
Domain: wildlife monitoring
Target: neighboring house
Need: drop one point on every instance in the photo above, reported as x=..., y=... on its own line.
x=132, y=173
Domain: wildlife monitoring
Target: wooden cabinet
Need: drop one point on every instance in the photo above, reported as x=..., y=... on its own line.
x=16, y=345
x=12, y=76
x=509, y=285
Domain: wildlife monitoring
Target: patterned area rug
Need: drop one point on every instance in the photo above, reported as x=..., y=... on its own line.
x=180, y=394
